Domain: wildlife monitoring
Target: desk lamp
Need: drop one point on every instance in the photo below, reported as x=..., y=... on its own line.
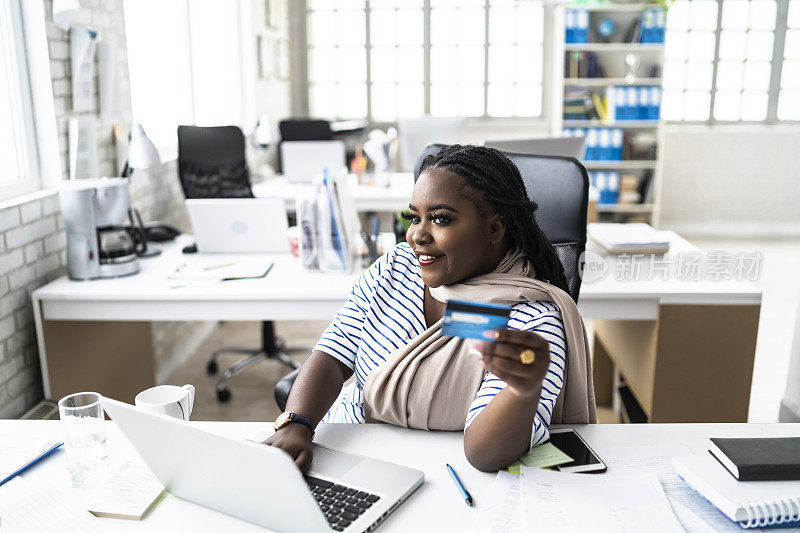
x=261, y=137
x=263, y=133
x=142, y=153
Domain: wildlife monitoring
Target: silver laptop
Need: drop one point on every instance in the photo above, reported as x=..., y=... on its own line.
x=563, y=146
x=236, y=225
x=302, y=161
x=261, y=484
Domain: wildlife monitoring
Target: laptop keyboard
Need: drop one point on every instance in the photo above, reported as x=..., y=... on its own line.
x=342, y=505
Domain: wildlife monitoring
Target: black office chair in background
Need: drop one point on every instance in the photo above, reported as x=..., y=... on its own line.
x=211, y=164
x=303, y=129
x=560, y=186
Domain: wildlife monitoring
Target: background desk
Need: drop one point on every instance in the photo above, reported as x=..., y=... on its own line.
x=686, y=348
x=435, y=506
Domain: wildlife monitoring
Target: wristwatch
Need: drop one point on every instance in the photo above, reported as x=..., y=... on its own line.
x=287, y=417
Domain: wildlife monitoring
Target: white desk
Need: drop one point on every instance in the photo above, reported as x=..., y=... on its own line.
x=367, y=198
x=435, y=506
x=95, y=335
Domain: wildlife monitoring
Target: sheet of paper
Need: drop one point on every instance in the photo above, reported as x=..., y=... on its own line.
x=543, y=456
x=83, y=147
x=108, y=81
x=691, y=522
x=128, y=493
x=558, y=501
x=31, y=506
x=688, y=505
x=18, y=451
x=220, y=269
x=632, y=460
x=502, y=513
x=637, y=460
x=83, y=44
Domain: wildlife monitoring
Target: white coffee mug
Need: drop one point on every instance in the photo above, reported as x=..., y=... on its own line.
x=169, y=400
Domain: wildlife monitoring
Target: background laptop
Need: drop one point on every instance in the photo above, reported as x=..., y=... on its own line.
x=239, y=224
x=302, y=161
x=261, y=484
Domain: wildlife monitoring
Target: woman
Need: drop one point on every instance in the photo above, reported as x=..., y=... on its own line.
x=473, y=235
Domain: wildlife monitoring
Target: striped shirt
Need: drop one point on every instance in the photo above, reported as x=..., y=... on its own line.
x=384, y=311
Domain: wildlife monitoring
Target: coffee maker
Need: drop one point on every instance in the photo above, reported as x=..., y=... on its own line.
x=100, y=241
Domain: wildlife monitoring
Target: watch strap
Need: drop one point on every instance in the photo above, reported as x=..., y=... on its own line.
x=294, y=417
x=300, y=419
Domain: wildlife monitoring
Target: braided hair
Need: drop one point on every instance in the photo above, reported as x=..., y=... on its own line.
x=489, y=172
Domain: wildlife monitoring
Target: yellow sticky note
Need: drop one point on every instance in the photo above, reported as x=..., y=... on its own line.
x=542, y=456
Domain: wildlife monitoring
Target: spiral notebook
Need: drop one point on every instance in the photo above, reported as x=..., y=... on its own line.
x=749, y=503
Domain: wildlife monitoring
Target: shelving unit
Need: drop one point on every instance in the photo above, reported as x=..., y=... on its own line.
x=620, y=165
x=624, y=208
x=611, y=55
x=620, y=7
x=625, y=124
x=607, y=82
x=614, y=47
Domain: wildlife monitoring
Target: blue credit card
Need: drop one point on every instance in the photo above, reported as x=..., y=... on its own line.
x=472, y=320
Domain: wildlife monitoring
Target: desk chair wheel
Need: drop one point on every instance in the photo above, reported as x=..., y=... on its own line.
x=272, y=347
x=223, y=395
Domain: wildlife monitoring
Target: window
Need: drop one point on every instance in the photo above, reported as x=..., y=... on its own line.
x=159, y=69
x=176, y=79
x=719, y=61
x=337, y=59
x=18, y=150
x=397, y=59
x=744, y=64
x=479, y=58
x=689, y=59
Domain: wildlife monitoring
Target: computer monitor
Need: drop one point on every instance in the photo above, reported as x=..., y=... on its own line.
x=563, y=146
x=416, y=134
x=305, y=160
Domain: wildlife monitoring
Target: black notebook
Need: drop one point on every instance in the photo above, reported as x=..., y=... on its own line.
x=759, y=459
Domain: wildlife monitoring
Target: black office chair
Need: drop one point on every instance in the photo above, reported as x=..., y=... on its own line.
x=560, y=186
x=211, y=164
x=303, y=129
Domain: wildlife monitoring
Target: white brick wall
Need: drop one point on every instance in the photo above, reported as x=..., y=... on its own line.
x=25, y=264
x=32, y=239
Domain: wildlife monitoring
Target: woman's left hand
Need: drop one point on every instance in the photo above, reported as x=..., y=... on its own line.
x=503, y=359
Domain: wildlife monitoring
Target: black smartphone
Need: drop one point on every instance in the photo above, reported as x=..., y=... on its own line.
x=584, y=460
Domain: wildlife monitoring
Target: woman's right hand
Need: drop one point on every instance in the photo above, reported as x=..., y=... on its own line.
x=294, y=439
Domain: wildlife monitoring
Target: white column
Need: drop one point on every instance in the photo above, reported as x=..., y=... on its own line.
x=790, y=406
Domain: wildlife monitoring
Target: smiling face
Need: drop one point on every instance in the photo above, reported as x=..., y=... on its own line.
x=452, y=238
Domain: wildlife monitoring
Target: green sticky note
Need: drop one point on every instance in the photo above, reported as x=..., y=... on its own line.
x=542, y=456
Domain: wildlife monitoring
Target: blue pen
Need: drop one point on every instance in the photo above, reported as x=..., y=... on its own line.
x=459, y=485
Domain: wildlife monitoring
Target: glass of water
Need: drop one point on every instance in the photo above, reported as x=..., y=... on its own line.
x=84, y=438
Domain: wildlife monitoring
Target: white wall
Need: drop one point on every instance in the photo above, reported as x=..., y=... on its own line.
x=731, y=180
x=271, y=94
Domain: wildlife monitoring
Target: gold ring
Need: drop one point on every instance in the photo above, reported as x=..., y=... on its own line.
x=527, y=356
